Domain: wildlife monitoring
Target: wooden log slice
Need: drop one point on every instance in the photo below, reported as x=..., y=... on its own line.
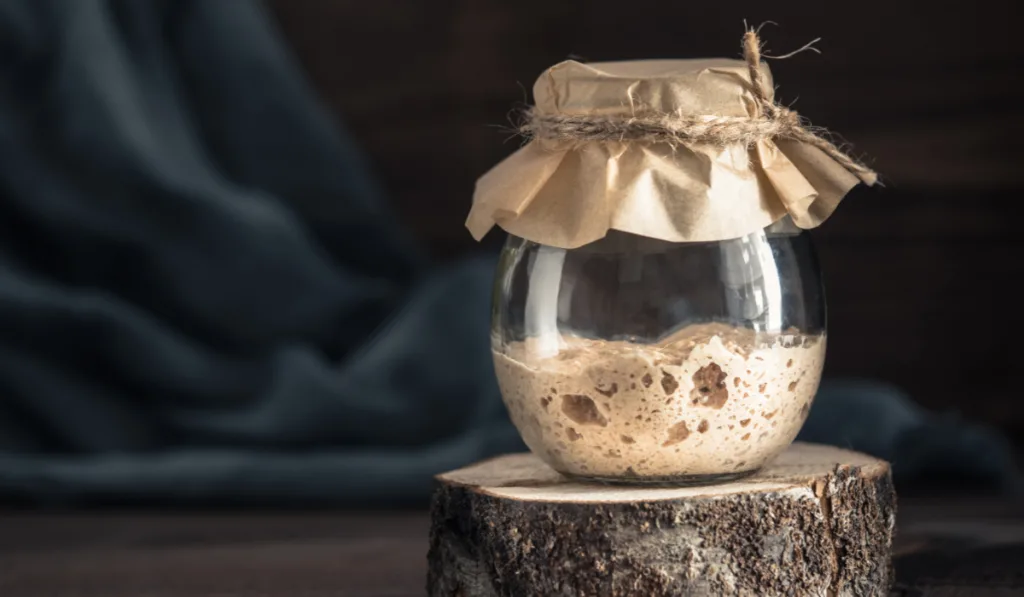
x=818, y=521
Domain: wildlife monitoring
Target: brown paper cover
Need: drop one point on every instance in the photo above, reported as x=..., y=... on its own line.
x=566, y=194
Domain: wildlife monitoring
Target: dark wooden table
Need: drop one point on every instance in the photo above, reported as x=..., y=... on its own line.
x=950, y=546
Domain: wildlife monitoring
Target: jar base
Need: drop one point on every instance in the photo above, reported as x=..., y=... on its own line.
x=665, y=481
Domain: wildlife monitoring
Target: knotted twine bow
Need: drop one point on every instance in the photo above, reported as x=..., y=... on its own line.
x=772, y=121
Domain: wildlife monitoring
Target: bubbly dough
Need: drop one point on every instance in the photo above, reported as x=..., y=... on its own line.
x=717, y=399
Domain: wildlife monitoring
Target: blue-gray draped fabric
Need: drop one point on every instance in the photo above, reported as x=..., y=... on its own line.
x=204, y=298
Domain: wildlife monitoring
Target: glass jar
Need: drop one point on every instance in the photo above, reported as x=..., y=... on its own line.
x=636, y=360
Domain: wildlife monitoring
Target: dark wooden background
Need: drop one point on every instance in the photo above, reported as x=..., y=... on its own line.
x=922, y=275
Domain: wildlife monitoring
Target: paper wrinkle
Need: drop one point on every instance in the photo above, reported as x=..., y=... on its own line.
x=568, y=195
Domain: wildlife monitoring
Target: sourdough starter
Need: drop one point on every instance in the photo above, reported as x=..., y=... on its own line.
x=717, y=399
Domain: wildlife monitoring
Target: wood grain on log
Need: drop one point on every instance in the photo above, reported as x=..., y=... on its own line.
x=819, y=521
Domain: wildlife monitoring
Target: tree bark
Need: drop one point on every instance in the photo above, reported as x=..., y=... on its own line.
x=818, y=521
